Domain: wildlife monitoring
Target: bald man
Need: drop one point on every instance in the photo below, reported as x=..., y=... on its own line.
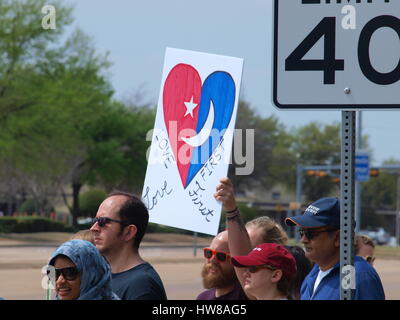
x=218, y=274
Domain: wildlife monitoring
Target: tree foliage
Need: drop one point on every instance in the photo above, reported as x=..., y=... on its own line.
x=316, y=144
x=266, y=155
x=380, y=193
x=23, y=42
x=90, y=201
x=59, y=124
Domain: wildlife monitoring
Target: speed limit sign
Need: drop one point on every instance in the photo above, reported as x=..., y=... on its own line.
x=336, y=54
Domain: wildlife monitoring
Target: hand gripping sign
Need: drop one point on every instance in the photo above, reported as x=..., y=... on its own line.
x=192, y=139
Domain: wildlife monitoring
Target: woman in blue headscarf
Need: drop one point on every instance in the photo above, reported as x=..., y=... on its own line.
x=80, y=272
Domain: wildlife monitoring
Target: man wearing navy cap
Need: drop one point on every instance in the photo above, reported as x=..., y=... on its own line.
x=320, y=234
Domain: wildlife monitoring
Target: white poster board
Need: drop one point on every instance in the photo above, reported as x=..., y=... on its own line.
x=192, y=139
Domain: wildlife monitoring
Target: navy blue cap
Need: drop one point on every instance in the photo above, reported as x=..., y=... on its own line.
x=323, y=212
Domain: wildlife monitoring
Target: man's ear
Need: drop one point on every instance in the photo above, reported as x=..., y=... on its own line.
x=276, y=275
x=337, y=239
x=130, y=232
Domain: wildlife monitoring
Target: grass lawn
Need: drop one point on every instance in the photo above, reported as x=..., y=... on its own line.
x=386, y=252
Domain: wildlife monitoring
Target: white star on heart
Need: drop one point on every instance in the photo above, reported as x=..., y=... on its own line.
x=189, y=107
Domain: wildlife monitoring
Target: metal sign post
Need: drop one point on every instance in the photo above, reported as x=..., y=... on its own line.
x=347, y=272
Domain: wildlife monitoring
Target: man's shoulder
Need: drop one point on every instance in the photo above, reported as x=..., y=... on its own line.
x=327, y=289
x=312, y=275
x=141, y=271
x=364, y=270
x=361, y=264
x=139, y=282
x=236, y=293
x=208, y=294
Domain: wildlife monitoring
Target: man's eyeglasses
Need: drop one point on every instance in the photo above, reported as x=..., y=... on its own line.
x=254, y=269
x=310, y=233
x=69, y=273
x=102, y=221
x=221, y=256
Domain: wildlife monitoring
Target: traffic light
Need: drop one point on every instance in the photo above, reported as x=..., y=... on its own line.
x=316, y=173
x=373, y=172
x=321, y=174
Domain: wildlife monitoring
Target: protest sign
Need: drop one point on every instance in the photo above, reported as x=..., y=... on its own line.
x=192, y=139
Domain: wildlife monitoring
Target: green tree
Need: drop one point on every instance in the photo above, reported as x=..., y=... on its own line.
x=58, y=123
x=116, y=157
x=49, y=136
x=112, y=144
x=23, y=42
x=268, y=135
x=90, y=201
x=247, y=213
x=379, y=193
x=316, y=144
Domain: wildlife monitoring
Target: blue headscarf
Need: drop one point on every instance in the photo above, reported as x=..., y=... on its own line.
x=94, y=270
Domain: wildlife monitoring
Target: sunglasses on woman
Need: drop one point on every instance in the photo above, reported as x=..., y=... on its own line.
x=69, y=273
x=221, y=256
x=254, y=269
x=310, y=233
x=102, y=221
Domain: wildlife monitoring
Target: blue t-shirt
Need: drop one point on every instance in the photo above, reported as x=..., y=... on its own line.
x=368, y=283
x=141, y=282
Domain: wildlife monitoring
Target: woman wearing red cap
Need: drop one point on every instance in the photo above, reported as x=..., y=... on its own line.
x=260, y=278
x=269, y=268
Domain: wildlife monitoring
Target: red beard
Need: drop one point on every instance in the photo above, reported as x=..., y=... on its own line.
x=221, y=279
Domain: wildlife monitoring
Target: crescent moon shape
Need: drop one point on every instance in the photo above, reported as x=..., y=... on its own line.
x=204, y=133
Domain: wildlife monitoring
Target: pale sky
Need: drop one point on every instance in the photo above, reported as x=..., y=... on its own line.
x=136, y=33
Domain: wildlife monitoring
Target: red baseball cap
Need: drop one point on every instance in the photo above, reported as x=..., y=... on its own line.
x=271, y=254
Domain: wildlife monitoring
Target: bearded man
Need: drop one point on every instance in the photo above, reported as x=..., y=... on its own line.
x=218, y=274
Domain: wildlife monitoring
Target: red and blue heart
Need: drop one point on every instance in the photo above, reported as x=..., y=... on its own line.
x=189, y=106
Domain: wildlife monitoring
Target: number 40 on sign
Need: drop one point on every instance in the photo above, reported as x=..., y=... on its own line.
x=329, y=54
